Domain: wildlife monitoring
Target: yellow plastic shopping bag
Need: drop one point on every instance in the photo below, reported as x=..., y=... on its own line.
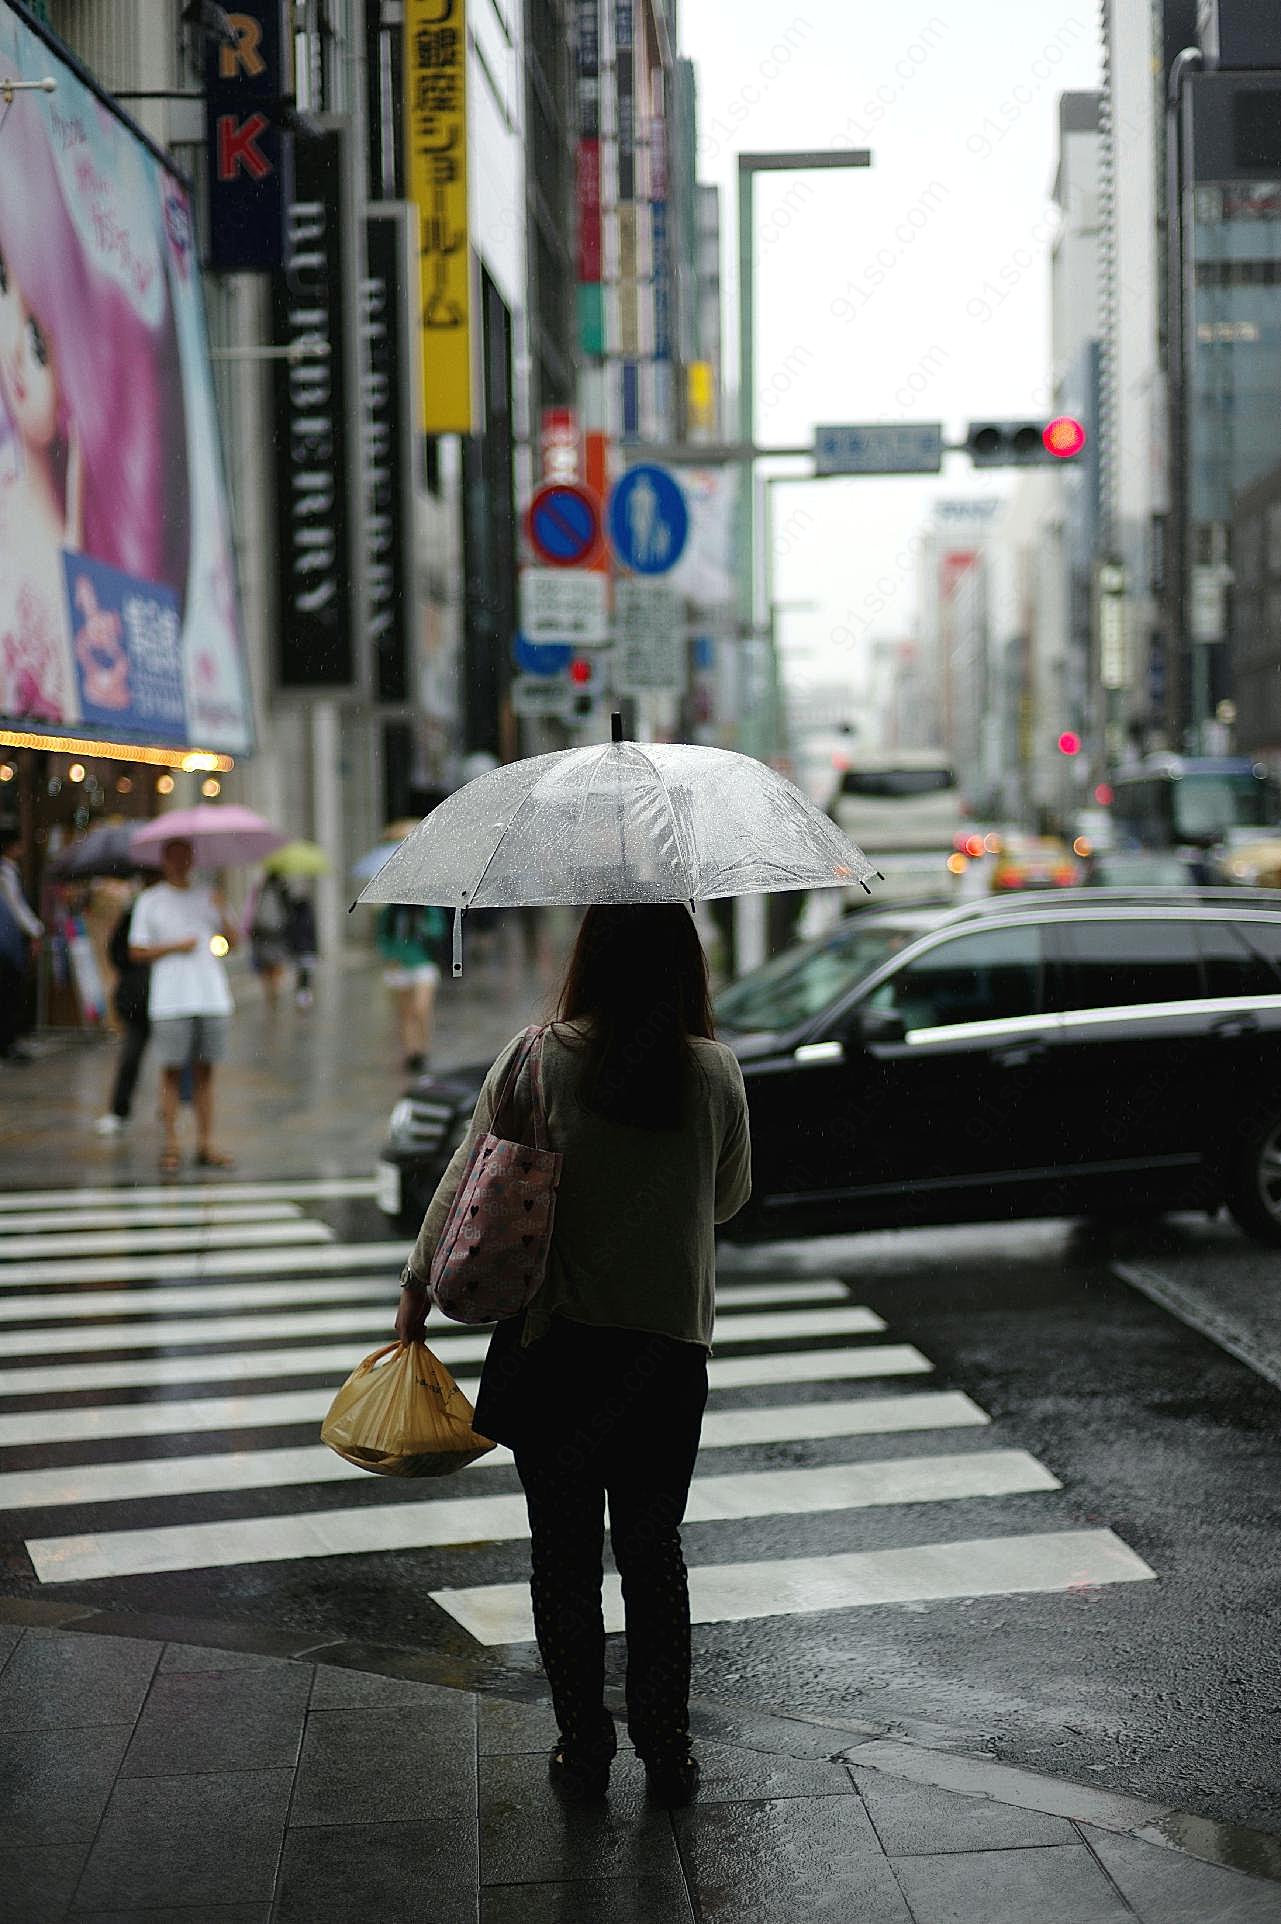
x=407, y=1418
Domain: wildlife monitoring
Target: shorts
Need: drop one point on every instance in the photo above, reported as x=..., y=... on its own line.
x=412, y=976
x=189, y=1038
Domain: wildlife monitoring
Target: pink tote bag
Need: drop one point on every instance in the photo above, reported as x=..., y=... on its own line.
x=492, y=1255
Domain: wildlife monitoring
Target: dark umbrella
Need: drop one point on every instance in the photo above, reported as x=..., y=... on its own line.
x=103, y=851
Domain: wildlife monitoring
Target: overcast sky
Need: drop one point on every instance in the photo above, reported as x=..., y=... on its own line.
x=915, y=290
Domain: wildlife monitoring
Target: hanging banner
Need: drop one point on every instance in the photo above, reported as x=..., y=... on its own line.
x=119, y=614
x=435, y=121
x=248, y=156
x=316, y=602
x=388, y=432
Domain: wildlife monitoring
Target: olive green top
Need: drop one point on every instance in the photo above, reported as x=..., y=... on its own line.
x=633, y=1244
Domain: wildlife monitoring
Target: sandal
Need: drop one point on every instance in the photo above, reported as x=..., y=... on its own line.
x=214, y=1159
x=170, y=1162
x=673, y=1781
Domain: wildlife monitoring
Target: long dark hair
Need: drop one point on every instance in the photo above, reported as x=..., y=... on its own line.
x=639, y=973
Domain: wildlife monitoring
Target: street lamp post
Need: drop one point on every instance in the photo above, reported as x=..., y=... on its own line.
x=749, y=923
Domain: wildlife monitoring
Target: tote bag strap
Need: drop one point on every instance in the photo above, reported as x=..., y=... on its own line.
x=539, y=1112
x=510, y=1080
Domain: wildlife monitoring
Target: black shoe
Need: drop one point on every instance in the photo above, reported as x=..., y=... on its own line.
x=415, y=1064
x=586, y=1781
x=672, y=1781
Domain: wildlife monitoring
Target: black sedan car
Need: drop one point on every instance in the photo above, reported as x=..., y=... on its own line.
x=1101, y=1052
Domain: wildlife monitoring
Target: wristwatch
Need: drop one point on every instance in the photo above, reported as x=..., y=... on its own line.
x=408, y=1280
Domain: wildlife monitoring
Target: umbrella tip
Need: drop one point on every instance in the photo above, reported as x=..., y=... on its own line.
x=616, y=727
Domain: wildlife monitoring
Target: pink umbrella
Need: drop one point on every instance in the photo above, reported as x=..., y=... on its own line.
x=222, y=833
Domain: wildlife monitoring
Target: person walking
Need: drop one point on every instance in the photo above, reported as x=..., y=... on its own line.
x=13, y=973
x=303, y=943
x=411, y=943
x=131, y=996
x=267, y=926
x=600, y=1385
x=182, y=930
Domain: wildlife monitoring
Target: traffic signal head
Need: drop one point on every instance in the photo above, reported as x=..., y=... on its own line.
x=586, y=680
x=1023, y=444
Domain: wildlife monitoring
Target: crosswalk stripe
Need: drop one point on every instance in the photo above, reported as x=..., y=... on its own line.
x=316, y=1187
x=176, y=1476
x=731, y=1592
x=80, y=1303
x=192, y=1414
x=139, y=1372
x=26, y=1222
x=203, y=1296
x=230, y=1262
x=145, y=1335
x=113, y=1242
x=493, y=1519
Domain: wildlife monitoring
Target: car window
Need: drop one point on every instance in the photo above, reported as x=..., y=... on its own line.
x=1264, y=939
x=1235, y=959
x=1111, y=964
x=972, y=978
x=803, y=982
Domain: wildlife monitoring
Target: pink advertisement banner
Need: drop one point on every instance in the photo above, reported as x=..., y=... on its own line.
x=119, y=616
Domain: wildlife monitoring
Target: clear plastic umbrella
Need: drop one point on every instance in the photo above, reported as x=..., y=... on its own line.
x=623, y=822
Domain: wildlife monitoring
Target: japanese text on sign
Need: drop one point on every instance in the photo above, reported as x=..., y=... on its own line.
x=436, y=172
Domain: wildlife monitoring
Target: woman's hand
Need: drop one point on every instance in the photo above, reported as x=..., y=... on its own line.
x=411, y=1315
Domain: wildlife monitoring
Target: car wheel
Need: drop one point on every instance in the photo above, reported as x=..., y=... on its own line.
x=1255, y=1193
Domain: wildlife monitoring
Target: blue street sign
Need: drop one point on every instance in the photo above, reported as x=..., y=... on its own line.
x=648, y=520
x=563, y=524
x=542, y=657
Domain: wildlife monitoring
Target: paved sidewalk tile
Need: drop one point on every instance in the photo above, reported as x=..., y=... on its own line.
x=187, y=1840
x=373, y=1874
x=10, y=1638
x=37, y=1880
x=180, y=1914
x=1164, y=1887
x=54, y=1784
x=56, y=1680
x=1059, y=1885
x=590, y=1900
x=778, y=1862
x=369, y=1766
x=507, y=1727
x=243, y=1719
x=338, y=1689
x=912, y=1820
x=528, y=1834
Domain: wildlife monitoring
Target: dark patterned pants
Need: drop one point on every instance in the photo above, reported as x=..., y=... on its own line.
x=613, y=1413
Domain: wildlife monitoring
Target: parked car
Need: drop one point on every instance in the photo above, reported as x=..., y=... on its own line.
x=1099, y=1052
x=1034, y=862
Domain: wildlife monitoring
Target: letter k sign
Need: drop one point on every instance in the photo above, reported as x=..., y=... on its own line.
x=238, y=146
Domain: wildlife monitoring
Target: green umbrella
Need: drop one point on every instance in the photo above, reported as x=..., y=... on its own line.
x=298, y=858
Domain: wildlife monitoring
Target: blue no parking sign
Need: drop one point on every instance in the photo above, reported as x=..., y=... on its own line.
x=563, y=524
x=648, y=520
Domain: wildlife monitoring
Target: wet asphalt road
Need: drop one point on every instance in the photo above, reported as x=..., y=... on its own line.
x=1165, y=1689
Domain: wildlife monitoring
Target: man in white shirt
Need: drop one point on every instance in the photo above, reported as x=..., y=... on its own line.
x=183, y=930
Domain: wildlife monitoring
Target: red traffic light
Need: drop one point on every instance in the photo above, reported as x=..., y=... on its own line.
x=1063, y=437
x=580, y=671
x=1069, y=743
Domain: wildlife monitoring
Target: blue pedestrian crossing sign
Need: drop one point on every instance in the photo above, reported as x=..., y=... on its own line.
x=648, y=520
x=563, y=524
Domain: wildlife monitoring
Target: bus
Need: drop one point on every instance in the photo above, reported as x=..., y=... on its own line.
x=904, y=809
x=1182, y=801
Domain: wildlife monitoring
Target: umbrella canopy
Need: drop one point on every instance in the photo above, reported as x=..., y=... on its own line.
x=222, y=834
x=298, y=859
x=106, y=850
x=623, y=822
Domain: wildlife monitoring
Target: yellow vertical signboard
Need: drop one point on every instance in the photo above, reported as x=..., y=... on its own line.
x=436, y=179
